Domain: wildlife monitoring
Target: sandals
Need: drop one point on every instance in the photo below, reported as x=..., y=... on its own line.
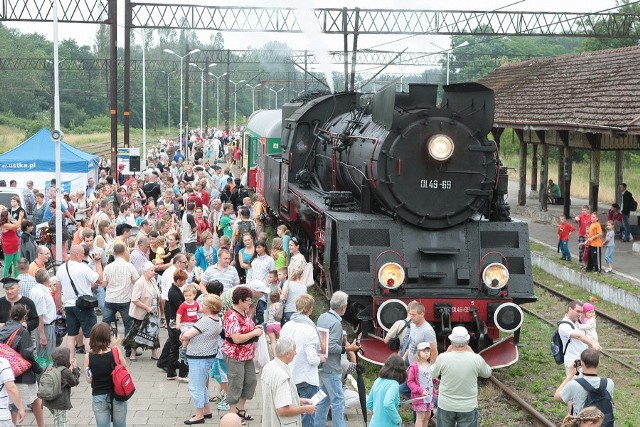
x=242, y=413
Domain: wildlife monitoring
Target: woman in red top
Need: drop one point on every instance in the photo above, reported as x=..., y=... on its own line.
x=10, y=243
x=239, y=350
x=201, y=223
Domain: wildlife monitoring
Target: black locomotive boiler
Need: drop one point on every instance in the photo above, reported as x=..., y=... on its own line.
x=398, y=199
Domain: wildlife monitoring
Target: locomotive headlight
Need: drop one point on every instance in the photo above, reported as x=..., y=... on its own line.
x=495, y=275
x=391, y=275
x=440, y=147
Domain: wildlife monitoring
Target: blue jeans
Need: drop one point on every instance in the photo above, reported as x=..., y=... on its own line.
x=564, y=250
x=109, y=315
x=626, y=234
x=100, y=293
x=198, y=375
x=456, y=419
x=608, y=255
x=331, y=384
x=102, y=409
x=306, y=391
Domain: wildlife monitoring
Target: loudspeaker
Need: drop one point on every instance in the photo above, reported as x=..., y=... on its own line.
x=134, y=163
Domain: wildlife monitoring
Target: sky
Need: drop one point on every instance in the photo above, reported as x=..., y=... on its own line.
x=84, y=33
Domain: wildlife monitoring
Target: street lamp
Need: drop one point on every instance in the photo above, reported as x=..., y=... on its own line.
x=253, y=95
x=235, y=101
x=202, y=70
x=463, y=44
x=217, y=97
x=181, y=84
x=276, y=92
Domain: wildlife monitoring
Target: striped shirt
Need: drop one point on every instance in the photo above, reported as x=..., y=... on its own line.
x=6, y=375
x=229, y=277
x=120, y=276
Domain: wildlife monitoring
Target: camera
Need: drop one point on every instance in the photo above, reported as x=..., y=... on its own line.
x=577, y=363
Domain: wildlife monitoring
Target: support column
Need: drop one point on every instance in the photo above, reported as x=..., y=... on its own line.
x=534, y=167
x=113, y=73
x=619, y=178
x=594, y=170
x=544, y=177
x=522, y=170
x=127, y=75
x=560, y=166
x=566, y=173
x=226, y=93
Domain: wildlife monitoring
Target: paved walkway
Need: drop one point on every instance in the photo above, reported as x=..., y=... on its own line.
x=543, y=228
x=156, y=402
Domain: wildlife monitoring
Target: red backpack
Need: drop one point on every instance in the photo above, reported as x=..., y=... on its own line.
x=123, y=387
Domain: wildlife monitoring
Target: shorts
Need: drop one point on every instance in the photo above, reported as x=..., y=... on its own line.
x=274, y=328
x=80, y=318
x=219, y=371
x=28, y=393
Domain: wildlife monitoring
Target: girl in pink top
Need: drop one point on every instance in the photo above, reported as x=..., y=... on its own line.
x=420, y=382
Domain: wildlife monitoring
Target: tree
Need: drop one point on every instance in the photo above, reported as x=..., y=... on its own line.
x=628, y=25
x=102, y=41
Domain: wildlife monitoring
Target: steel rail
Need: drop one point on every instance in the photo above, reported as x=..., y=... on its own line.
x=537, y=415
x=604, y=352
x=611, y=319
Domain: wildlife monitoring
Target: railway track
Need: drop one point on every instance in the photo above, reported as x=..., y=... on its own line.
x=539, y=418
x=617, y=336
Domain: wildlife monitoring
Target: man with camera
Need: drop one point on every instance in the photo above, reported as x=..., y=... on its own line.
x=574, y=341
x=571, y=391
x=78, y=280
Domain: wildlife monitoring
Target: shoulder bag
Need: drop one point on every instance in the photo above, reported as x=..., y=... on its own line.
x=19, y=365
x=83, y=301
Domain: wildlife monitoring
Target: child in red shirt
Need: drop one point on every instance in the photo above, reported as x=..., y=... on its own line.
x=187, y=313
x=564, y=231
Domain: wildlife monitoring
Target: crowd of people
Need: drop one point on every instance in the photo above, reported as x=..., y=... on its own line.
x=185, y=246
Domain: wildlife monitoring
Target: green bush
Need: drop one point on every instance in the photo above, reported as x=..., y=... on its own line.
x=98, y=124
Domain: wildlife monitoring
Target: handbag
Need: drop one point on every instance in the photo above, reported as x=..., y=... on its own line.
x=19, y=365
x=148, y=331
x=83, y=301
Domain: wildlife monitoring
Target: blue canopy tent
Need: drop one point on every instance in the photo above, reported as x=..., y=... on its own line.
x=34, y=160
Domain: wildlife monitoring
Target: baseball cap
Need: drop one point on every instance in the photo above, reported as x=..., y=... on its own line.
x=459, y=334
x=423, y=345
x=29, y=182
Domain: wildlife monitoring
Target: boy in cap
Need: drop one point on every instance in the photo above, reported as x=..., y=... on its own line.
x=459, y=368
x=12, y=296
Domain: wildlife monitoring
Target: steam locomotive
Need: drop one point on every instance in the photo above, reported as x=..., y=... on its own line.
x=398, y=198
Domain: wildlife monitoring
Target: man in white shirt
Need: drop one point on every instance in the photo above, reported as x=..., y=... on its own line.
x=84, y=279
x=45, y=334
x=304, y=367
x=574, y=340
x=119, y=276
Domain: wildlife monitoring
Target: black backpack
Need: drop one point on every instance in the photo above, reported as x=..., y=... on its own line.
x=600, y=398
x=633, y=205
x=557, y=350
x=245, y=227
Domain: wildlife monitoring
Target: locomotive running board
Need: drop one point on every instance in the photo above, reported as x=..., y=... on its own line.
x=500, y=355
x=374, y=350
